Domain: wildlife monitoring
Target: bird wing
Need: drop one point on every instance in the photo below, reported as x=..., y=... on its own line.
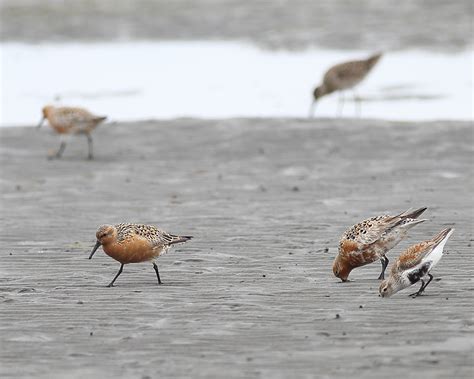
x=73, y=116
x=431, y=250
x=157, y=236
x=371, y=230
x=345, y=75
x=414, y=255
x=368, y=231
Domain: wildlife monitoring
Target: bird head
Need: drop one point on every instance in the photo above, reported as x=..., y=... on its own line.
x=386, y=288
x=318, y=92
x=341, y=269
x=321, y=91
x=105, y=235
x=46, y=111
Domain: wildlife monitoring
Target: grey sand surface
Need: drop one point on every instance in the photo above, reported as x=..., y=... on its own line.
x=297, y=24
x=252, y=295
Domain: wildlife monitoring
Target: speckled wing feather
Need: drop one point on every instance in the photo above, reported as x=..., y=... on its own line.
x=73, y=116
x=151, y=233
x=368, y=231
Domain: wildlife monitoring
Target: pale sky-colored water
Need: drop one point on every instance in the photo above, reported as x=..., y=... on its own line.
x=162, y=80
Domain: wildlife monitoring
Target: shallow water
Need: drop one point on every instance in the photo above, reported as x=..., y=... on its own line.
x=162, y=80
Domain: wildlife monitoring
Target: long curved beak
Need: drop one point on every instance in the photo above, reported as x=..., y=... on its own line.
x=97, y=245
x=40, y=123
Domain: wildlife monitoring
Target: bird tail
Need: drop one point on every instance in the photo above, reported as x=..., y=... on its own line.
x=407, y=219
x=179, y=239
x=443, y=236
x=99, y=119
x=372, y=61
x=409, y=213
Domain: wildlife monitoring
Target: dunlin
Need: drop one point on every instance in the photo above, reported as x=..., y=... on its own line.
x=67, y=121
x=134, y=243
x=371, y=239
x=341, y=77
x=415, y=264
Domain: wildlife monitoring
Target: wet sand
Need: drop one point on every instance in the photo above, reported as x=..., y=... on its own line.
x=252, y=295
x=297, y=24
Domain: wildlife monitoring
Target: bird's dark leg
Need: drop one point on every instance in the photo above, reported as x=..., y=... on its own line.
x=111, y=284
x=340, y=103
x=384, y=261
x=422, y=288
x=60, y=151
x=428, y=282
x=157, y=273
x=89, y=143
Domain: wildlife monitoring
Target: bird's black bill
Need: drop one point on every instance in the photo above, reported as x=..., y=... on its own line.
x=97, y=245
x=40, y=123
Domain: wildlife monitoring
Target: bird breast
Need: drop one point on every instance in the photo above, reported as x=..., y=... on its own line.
x=132, y=251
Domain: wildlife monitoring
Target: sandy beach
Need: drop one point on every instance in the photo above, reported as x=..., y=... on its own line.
x=252, y=295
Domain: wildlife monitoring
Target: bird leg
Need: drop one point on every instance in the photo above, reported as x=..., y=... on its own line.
x=340, y=103
x=111, y=284
x=89, y=143
x=60, y=151
x=357, y=104
x=422, y=288
x=157, y=273
x=384, y=261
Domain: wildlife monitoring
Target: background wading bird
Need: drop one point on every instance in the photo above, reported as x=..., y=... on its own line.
x=67, y=121
x=341, y=77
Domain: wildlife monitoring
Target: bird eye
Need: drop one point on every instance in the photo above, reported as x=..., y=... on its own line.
x=385, y=289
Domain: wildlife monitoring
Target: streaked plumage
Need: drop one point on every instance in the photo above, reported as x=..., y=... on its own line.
x=415, y=264
x=134, y=243
x=70, y=120
x=369, y=241
x=343, y=76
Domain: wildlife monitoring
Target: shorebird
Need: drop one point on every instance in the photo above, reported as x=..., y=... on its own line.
x=415, y=264
x=341, y=77
x=67, y=121
x=134, y=243
x=371, y=239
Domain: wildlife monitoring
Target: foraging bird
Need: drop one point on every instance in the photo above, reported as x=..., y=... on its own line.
x=67, y=120
x=343, y=76
x=371, y=239
x=134, y=243
x=415, y=264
